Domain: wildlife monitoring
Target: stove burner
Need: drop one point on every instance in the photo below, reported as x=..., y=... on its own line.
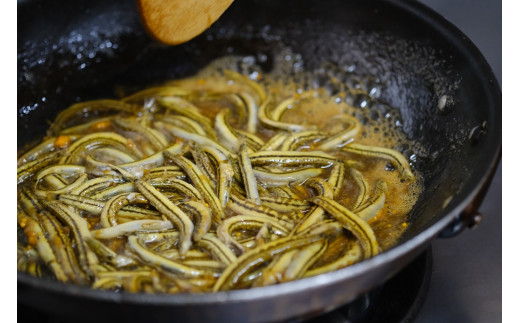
x=398, y=300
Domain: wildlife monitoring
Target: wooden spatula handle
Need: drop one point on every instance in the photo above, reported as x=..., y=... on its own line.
x=174, y=22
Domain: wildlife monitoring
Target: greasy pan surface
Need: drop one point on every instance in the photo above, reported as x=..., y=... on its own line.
x=85, y=49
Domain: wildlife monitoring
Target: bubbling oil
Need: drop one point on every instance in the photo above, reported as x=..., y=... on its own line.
x=321, y=95
x=320, y=101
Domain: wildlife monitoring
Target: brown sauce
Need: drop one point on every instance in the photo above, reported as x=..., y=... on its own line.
x=313, y=108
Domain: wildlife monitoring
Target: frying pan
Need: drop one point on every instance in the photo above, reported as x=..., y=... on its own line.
x=81, y=50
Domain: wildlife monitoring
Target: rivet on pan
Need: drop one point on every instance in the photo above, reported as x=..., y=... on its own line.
x=475, y=220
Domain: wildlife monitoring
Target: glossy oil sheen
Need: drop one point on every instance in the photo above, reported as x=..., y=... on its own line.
x=419, y=66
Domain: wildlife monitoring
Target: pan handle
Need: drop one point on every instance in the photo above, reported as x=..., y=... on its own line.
x=464, y=220
x=470, y=217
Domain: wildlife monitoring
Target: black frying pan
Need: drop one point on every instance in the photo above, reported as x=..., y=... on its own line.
x=80, y=50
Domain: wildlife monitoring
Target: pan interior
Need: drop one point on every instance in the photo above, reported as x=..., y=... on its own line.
x=93, y=49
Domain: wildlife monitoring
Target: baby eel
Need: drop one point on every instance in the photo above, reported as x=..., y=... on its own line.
x=137, y=168
x=304, y=259
x=32, y=228
x=217, y=248
x=92, y=185
x=204, y=163
x=94, y=125
x=351, y=222
x=292, y=158
x=201, y=140
x=253, y=258
x=155, y=138
x=248, y=177
x=353, y=255
x=223, y=130
x=171, y=211
x=28, y=169
x=337, y=175
x=184, y=123
x=208, y=264
x=287, y=177
x=97, y=168
x=164, y=263
x=282, y=191
x=392, y=156
x=370, y=209
x=116, y=156
x=271, y=122
x=96, y=140
x=201, y=215
x=63, y=188
x=130, y=228
x=351, y=129
x=276, y=141
x=174, y=253
x=240, y=205
x=315, y=215
x=237, y=103
x=273, y=273
x=155, y=92
x=248, y=222
x=67, y=170
x=133, y=169
x=253, y=142
x=202, y=184
x=185, y=108
x=40, y=150
x=54, y=233
x=113, y=190
x=330, y=227
x=285, y=204
x=89, y=107
x=181, y=187
x=252, y=111
x=164, y=173
x=106, y=254
x=362, y=185
x=257, y=88
x=225, y=173
x=81, y=233
x=114, y=205
x=296, y=140
x=158, y=237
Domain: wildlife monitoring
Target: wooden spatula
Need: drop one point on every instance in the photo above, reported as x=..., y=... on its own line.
x=174, y=22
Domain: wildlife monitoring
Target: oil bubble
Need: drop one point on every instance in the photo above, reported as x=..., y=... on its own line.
x=389, y=167
x=441, y=104
x=375, y=92
x=361, y=101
